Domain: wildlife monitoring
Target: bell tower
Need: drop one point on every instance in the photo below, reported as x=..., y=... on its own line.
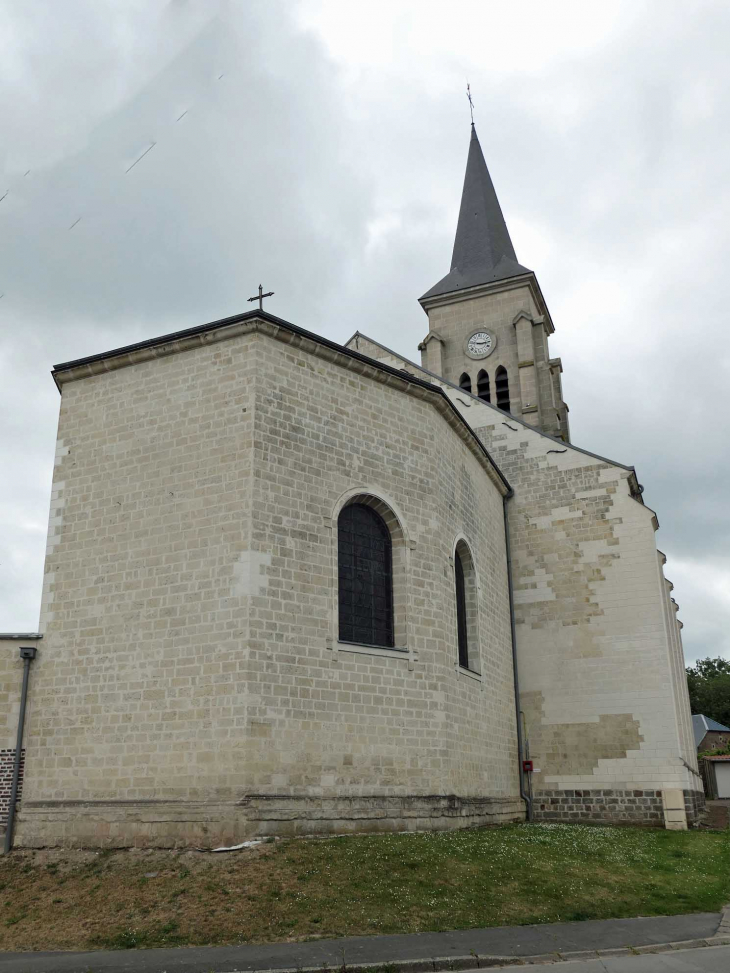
x=488, y=321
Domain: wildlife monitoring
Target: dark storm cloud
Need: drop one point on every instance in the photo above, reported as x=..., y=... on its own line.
x=332, y=176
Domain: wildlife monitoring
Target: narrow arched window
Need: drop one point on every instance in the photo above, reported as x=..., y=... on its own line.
x=483, y=386
x=365, y=577
x=501, y=385
x=465, y=382
x=461, y=625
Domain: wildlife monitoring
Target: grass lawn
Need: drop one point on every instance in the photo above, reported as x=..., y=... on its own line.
x=364, y=884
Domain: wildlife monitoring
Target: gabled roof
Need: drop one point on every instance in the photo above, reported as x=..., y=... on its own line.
x=704, y=724
x=483, y=250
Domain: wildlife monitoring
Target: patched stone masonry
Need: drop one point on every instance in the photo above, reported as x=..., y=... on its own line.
x=603, y=691
x=7, y=762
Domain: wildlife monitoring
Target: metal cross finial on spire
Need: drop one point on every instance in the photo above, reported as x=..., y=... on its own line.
x=471, y=103
x=260, y=297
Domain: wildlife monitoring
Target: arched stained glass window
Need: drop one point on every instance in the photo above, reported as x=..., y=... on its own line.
x=365, y=577
x=483, y=386
x=501, y=385
x=465, y=382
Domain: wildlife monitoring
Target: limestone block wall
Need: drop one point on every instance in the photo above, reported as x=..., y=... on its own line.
x=603, y=690
x=602, y=678
x=11, y=674
x=191, y=686
x=389, y=724
x=456, y=321
x=147, y=572
x=512, y=315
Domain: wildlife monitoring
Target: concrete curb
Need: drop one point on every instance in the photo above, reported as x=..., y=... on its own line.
x=473, y=961
x=724, y=928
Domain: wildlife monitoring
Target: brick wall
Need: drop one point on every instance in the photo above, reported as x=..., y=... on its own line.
x=7, y=761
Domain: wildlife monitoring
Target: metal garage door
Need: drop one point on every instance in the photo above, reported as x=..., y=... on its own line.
x=722, y=776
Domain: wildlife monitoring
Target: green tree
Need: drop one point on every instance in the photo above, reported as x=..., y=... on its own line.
x=708, y=682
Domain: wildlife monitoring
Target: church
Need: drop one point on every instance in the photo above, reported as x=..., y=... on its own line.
x=298, y=587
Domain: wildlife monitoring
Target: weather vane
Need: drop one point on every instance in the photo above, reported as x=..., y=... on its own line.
x=260, y=297
x=471, y=103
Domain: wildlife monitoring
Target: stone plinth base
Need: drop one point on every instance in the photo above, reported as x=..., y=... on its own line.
x=595, y=806
x=171, y=824
x=694, y=805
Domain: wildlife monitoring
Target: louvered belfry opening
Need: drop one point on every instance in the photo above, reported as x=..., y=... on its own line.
x=501, y=385
x=483, y=390
x=365, y=577
x=465, y=382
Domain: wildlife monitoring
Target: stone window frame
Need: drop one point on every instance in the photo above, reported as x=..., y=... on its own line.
x=401, y=546
x=365, y=617
x=472, y=591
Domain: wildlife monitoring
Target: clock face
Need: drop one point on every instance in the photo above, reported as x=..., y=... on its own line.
x=480, y=344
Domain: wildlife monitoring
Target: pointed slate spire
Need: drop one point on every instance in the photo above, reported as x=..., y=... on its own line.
x=483, y=251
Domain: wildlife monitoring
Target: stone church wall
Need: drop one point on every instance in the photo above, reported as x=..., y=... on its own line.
x=191, y=687
x=422, y=726
x=603, y=691
x=596, y=638
x=150, y=522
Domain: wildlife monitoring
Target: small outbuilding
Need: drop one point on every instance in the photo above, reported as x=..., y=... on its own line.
x=709, y=734
x=717, y=777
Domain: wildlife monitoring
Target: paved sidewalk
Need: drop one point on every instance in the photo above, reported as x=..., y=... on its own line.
x=377, y=950
x=713, y=959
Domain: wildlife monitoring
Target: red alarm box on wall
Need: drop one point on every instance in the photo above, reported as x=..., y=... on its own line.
x=527, y=766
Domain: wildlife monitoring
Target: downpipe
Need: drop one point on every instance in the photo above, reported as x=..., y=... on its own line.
x=520, y=741
x=27, y=654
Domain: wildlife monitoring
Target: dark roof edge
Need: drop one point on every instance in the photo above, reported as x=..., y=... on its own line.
x=174, y=336
x=302, y=333
x=429, y=295
x=489, y=405
x=477, y=290
x=19, y=636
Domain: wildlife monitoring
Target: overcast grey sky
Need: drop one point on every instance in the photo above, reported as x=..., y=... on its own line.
x=318, y=147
